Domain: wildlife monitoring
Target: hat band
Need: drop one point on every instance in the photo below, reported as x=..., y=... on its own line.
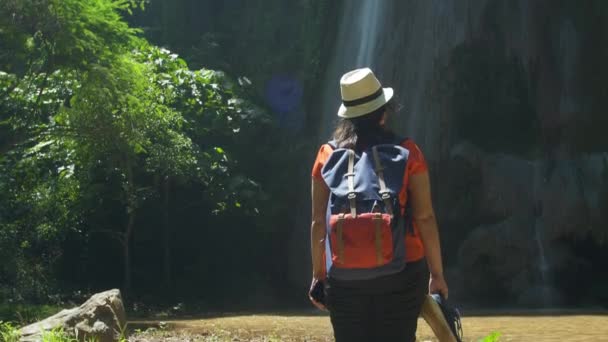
x=369, y=98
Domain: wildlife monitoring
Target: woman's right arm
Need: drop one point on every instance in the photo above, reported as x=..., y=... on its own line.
x=424, y=215
x=320, y=195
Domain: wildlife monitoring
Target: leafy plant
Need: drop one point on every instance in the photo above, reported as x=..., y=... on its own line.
x=8, y=332
x=493, y=337
x=57, y=335
x=26, y=314
x=123, y=333
x=103, y=136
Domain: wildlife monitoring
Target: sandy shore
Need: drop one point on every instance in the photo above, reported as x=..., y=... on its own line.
x=535, y=327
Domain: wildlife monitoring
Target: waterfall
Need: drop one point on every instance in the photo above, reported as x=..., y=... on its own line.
x=403, y=42
x=542, y=264
x=542, y=258
x=369, y=17
x=355, y=47
x=461, y=67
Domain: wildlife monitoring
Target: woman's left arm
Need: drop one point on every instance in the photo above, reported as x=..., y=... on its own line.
x=424, y=215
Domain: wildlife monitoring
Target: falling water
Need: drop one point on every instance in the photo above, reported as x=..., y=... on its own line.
x=542, y=259
x=355, y=47
x=368, y=24
x=543, y=266
x=403, y=42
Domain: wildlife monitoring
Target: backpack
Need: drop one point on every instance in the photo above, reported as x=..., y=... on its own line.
x=365, y=223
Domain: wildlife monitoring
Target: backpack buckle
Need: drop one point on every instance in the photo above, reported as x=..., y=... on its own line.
x=385, y=195
x=352, y=195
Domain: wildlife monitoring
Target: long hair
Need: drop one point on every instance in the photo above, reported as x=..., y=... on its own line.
x=363, y=131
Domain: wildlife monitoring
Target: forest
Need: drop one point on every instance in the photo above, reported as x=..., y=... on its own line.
x=121, y=166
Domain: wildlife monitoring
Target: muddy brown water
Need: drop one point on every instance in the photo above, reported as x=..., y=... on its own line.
x=536, y=327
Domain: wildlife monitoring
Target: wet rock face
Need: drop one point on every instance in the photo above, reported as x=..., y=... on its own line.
x=495, y=257
x=102, y=318
x=507, y=99
x=526, y=218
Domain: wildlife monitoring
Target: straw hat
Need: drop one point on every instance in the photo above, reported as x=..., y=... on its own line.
x=362, y=93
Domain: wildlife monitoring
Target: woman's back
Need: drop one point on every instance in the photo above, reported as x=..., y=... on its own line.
x=383, y=307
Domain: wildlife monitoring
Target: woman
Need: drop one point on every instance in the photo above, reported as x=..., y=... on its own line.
x=384, y=308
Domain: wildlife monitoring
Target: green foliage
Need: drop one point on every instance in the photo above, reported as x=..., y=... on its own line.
x=38, y=202
x=97, y=120
x=51, y=42
x=123, y=333
x=57, y=335
x=9, y=333
x=26, y=314
x=212, y=116
x=493, y=337
x=47, y=35
x=241, y=37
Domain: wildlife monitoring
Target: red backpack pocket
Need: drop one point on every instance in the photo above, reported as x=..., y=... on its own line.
x=365, y=241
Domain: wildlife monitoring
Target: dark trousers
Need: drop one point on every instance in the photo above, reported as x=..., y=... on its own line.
x=382, y=309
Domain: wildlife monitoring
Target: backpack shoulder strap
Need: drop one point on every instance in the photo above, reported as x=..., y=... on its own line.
x=384, y=192
x=352, y=195
x=407, y=210
x=340, y=170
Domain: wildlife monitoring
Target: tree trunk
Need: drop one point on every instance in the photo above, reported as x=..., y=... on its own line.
x=127, y=254
x=131, y=207
x=166, y=234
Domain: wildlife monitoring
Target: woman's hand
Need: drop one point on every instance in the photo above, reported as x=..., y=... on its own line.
x=320, y=306
x=437, y=284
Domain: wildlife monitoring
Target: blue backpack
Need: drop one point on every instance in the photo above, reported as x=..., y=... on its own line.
x=365, y=226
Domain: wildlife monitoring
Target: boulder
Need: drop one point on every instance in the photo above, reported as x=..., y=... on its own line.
x=102, y=318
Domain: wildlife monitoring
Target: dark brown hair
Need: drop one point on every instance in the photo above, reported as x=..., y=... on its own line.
x=363, y=131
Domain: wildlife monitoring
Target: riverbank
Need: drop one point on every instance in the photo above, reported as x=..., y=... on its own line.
x=526, y=326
